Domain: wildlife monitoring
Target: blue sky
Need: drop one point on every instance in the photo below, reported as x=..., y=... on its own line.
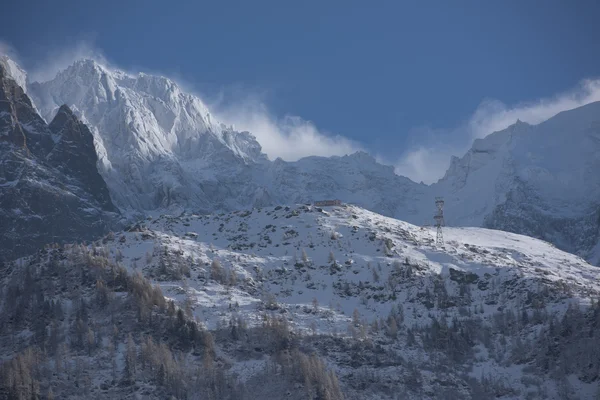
x=401, y=79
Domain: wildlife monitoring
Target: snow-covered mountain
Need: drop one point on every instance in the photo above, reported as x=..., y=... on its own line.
x=159, y=148
x=490, y=315
x=541, y=181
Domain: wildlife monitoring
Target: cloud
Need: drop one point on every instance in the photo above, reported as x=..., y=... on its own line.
x=8, y=50
x=289, y=137
x=428, y=159
x=493, y=115
x=425, y=164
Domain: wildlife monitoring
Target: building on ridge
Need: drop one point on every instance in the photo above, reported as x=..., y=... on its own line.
x=325, y=203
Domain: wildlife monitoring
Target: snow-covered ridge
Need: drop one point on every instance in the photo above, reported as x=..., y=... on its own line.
x=160, y=148
x=282, y=237
x=334, y=271
x=153, y=106
x=540, y=181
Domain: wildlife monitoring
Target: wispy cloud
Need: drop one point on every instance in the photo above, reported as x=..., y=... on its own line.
x=7, y=49
x=289, y=137
x=493, y=115
x=428, y=162
x=428, y=159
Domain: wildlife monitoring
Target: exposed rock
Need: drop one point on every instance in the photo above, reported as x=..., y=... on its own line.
x=49, y=188
x=463, y=277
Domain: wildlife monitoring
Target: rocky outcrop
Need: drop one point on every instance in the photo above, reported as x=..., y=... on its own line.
x=50, y=190
x=74, y=155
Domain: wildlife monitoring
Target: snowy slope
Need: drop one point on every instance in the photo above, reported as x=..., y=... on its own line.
x=274, y=238
x=540, y=181
x=271, y=238
x=335, y=271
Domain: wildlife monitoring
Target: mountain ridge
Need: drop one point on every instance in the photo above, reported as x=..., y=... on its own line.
x=160, y=149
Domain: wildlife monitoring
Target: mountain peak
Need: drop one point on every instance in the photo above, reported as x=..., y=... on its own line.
x=19, y=122
x=86, y=64
x=362, y=156
x=146, y=128
x=520, y=124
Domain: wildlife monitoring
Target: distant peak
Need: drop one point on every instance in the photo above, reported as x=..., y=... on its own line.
x=88, y=62
x=520, y=123
x=82, y=67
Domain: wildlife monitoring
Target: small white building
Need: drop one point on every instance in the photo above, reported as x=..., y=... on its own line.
x=325, y=203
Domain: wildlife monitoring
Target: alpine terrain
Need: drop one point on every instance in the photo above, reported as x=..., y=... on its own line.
x=301, y=302
x=159, y=148
x=148, y=250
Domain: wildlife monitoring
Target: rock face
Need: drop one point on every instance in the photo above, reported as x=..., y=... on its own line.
x=50, y=189
x=74, y=155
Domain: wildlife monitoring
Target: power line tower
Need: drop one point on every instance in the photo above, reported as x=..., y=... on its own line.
x=439, y=221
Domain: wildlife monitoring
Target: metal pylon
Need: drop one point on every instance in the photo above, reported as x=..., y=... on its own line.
x=439, y=221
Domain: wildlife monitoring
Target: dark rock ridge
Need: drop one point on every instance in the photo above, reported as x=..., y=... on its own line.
x=50, y=188
x=74, y=154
